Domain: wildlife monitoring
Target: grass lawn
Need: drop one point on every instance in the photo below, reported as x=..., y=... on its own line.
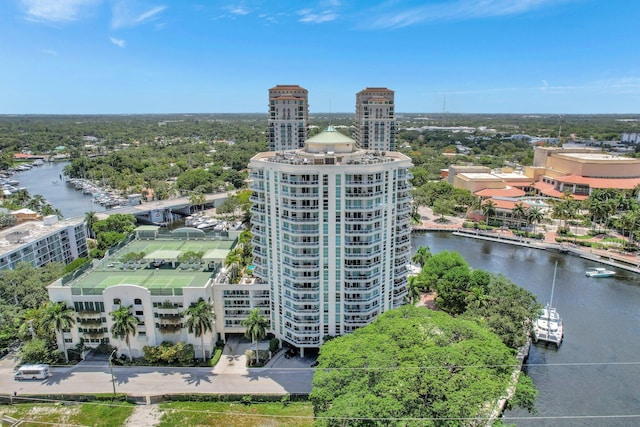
x=87, y=414
x=236, y=414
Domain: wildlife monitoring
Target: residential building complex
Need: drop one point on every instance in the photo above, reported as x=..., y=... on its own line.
x=331, y=235
x=159, y=288
x=375, y=123
x=288, y=117
x=40, y=241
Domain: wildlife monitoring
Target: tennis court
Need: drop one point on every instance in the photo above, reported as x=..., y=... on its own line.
x=149, y=246
x=164, y=282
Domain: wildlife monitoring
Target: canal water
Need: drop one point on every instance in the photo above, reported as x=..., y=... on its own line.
x=593, y=379
x=48, y=181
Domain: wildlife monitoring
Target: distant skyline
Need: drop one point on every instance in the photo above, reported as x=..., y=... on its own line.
x=461, y=56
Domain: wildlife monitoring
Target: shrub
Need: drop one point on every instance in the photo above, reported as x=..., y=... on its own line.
x=215, y=357
x=37, y=351
x=169, y=354
x=274, y=345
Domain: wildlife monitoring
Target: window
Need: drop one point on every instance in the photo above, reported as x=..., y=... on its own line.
x=116, y=301
x=139, y=313
x=137, y=301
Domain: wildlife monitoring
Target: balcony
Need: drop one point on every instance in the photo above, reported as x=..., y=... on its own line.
x=90, y=321
x=169, y=328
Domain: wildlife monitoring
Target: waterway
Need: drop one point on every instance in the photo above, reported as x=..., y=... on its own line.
x=48, y=181
x=593, y=379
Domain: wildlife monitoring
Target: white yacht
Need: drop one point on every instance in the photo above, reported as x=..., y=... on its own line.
x=548, y=326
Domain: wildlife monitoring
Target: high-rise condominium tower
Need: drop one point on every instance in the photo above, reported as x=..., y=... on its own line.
x=331, y=235
x=288, y=117
x=375, y=126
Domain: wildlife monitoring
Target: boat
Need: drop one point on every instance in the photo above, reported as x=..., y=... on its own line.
x=548, y=326
x=599, y=272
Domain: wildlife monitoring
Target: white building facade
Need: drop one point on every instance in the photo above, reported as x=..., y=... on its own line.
x=40, y=242
x=288, y=117
x=375, y=124
x=331, y=235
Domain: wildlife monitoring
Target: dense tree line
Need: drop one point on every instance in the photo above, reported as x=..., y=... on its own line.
x=413, y=367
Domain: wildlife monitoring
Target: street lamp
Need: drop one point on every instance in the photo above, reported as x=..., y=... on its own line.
x=113, y=380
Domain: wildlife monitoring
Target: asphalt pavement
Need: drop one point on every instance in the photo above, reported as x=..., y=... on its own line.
x=94, y=376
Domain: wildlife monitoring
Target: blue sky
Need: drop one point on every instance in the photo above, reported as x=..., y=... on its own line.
x=222, y=56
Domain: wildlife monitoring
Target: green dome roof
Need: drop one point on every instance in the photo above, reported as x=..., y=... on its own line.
x=330, y=136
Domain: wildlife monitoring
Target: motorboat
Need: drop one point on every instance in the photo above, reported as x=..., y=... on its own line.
x=599, y=272
x=548, y=326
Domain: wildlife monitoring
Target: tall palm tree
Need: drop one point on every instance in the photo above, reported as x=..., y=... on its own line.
x=59, y=317
x=124, y=325
x=534, y=215
x=488, y=209
x=200, y=321
x=519, y=211
x=256, y=325
x=90, y=218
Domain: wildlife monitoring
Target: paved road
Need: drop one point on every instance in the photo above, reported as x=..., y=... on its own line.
x=95, y=377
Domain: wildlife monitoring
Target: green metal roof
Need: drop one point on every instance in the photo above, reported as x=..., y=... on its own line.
x=330, y=136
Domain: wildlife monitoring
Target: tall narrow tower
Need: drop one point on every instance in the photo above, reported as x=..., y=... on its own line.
x=331, y=235
x=375, y=127
x=288, y=117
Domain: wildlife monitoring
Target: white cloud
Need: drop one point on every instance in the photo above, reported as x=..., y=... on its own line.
x=459, y=10
x=123, y=16
x=238, y=10
x=545, y=85
x=312, y=17
x=118, y=42
x=56, y=11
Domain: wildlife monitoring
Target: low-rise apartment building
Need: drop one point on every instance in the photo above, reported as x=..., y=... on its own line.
x=41, y=241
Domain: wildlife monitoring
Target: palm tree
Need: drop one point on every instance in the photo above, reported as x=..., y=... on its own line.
x=256, y=325
x=233, y=261
x=124, y=325
x=90, y=218
x=197, y=199
x=59, y=317
x=534, y=215
x=413, y=295
x=200, y=321
x=488, y=209
x=476, y=298
x=421, y=256
x=519, y=211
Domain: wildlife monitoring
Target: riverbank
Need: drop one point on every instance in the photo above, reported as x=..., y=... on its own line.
x=625, y=261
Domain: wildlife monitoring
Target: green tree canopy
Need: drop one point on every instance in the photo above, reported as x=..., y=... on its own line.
x=411, y=363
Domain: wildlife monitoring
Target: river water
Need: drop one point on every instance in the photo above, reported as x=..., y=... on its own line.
x=48, y=181
x=592, y=379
